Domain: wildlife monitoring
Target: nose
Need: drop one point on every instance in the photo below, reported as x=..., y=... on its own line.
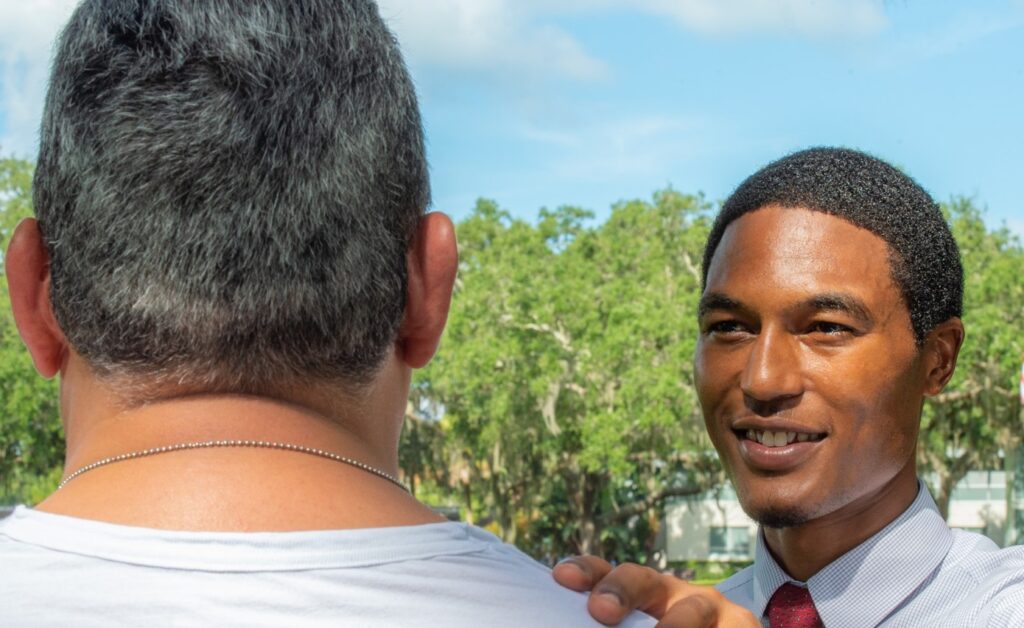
x=772, y=374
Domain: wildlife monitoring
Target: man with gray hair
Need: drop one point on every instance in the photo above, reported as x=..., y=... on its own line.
x=234, y=277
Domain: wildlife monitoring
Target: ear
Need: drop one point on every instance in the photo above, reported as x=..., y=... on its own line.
x=941, y=348
x=28, y=283
x=433, y=260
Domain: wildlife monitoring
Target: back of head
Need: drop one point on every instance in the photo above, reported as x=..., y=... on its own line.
x=227, y=190
x=873, y=195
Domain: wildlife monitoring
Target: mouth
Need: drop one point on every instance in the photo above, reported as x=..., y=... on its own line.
x=769, y=438
x=777, y=450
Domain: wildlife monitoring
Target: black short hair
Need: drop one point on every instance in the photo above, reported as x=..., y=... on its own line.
x=873, y=195
x=227, y=189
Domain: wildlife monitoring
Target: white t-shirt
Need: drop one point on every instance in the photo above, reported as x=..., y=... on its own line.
x=64, y=571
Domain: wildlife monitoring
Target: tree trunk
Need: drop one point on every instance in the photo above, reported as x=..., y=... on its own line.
x=1010, y=466
x=588, y=537
x=468, y=499
x=585, y=490
x=945, y=488
x=948, y=479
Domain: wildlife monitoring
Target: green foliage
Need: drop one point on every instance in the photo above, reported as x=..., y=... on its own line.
x=565, y=381
x=707, y=572
x=977, y=417
x=31, y=446
x=561, y=409
x=565, y=375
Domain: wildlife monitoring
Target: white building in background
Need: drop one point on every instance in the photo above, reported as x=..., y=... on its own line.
x=714, y=527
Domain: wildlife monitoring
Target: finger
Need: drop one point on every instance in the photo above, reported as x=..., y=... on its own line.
x=695, y=611
x=581, y=573
x=625, y=588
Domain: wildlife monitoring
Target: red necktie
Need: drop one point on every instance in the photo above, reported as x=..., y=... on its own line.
x=792, y=607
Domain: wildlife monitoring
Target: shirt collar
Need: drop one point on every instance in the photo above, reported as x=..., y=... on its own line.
x=865, y=585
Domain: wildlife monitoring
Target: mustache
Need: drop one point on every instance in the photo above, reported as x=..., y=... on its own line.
x=776, y=407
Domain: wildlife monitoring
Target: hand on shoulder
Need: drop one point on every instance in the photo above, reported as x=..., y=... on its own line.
x=615, y=592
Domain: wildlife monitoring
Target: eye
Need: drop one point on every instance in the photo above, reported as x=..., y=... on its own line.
x=726, y=328
x=829, y=328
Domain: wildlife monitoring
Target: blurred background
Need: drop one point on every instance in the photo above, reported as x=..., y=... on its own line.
x=583, y=147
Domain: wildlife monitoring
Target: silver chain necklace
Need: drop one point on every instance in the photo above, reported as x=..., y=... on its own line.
x=206, y=444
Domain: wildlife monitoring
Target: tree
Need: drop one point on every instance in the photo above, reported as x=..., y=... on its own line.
x=561, y=410
x=32, y=446
x=566, y=373
x=564, y=383
x=976, y=419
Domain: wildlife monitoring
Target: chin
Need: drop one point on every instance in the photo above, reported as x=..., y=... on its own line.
x=777, y=511
x=781, y=517
x=786, y=500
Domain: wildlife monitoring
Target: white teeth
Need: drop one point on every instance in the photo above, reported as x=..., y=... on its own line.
x=778, y=439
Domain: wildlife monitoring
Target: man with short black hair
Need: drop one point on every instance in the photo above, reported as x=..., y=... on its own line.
x=233, y=275
x=831, y=310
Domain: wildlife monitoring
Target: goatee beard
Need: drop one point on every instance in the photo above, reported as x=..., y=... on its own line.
x=781, y=518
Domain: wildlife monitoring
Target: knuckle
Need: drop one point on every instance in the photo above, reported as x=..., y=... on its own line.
x=704, y=608
x=578, y=562
x=691, y=611
x=634, y=585
x=637, y=572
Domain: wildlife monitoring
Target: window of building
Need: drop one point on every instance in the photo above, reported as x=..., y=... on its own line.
x=729, y=542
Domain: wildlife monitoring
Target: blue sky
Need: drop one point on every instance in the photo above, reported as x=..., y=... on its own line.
x=586, y=102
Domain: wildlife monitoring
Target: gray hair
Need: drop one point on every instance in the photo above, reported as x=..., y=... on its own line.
x=228, y=189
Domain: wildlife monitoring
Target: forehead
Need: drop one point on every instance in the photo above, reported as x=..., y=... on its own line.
x=776, y=251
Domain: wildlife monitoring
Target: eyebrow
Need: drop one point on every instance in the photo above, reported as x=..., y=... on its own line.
x=718, y=301
x=826, y=302
x=839, y=302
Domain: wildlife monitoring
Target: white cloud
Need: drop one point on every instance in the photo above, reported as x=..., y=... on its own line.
x=1016, y=225
x=599, y=149
x=28, y=29
x=488, y=36
x=504, y=39
x=476, y=35
x=517, y=37
x=813, y=18
x=955, y=35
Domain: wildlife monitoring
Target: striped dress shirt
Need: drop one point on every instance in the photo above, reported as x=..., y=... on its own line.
x=914, y=572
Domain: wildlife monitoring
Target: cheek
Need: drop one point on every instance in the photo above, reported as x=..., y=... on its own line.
x=701, y=379
x=876, y=401
x=712, y=389
x=875, y=368
x=715, y=373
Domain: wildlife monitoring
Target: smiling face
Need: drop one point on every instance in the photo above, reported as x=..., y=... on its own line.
x=807, y=371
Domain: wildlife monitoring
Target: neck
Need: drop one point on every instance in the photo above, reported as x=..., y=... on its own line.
x=806, y=549
x=236, y=489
